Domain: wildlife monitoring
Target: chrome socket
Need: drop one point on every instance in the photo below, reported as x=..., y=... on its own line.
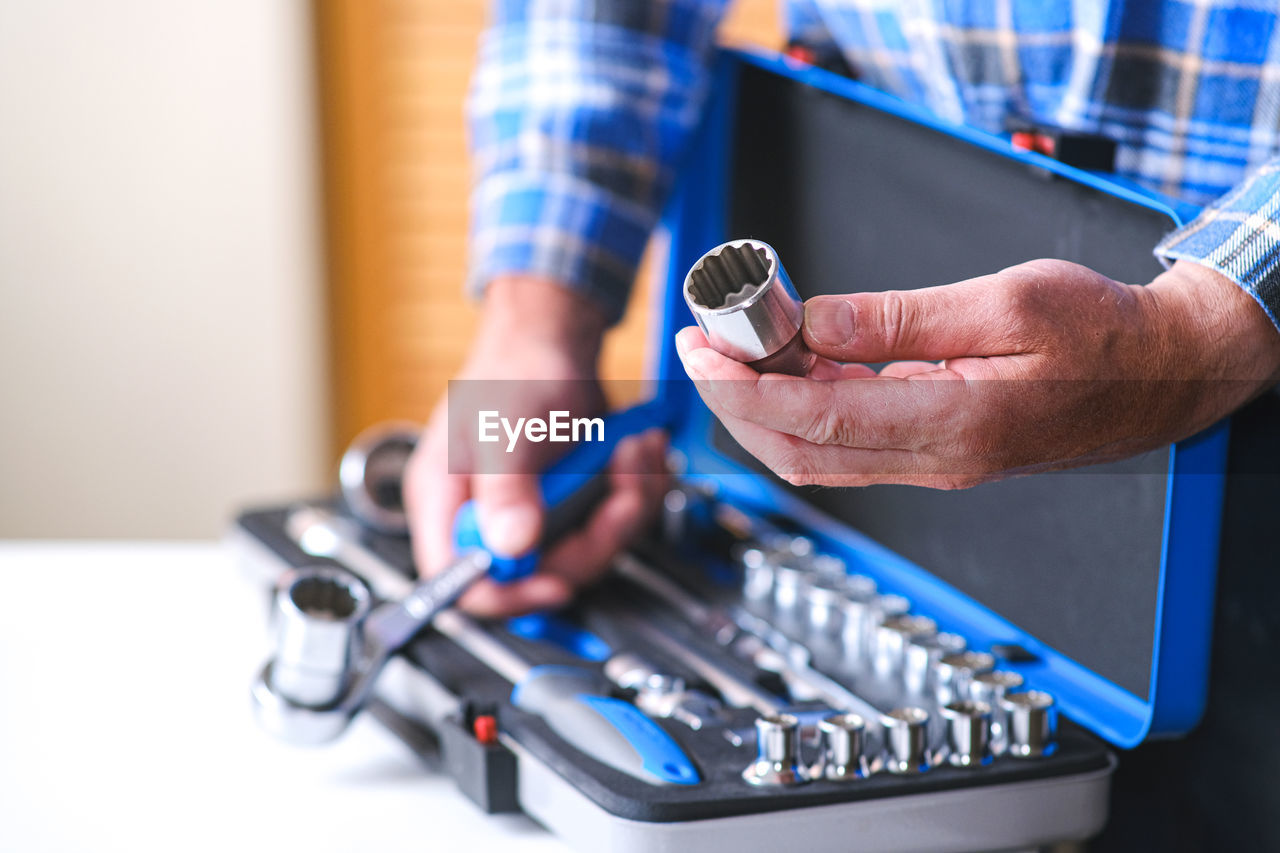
x=906, y=740
x=777, y=752
x=861, y=618
x=370, y=475
x=968, y=733
x=829, y=567
x=990, y=689
x=743, y=300
x=859, y=587
x=891, y=639
x=825, y=600
x=758, y=576
x=788, y=587
x=675, y=517
x=318, y=614
x=1031, y=721
x=921, y=659
x=840, y=749
x=954, y=673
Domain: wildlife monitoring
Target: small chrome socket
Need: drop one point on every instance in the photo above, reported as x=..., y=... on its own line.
x=788, y=587
x=758, y=576
x=954, y=674
x=968, y=733
x=829, y=567
x=859, y=587
x=921, y=659
x=743, y=300
x=824, y=598
x=840, y=740
x=891, y=639
x=906, y=740
x=1031, y=721
x=861, y=618
x=318, y=615
x=990, y=688
x=777, y=752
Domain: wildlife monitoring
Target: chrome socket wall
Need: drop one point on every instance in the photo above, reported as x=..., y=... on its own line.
x=861, y=618
x=840, y=749
x=891, y=639
x=922, y=656
x=954, y=673
x=318, y=612
x=968, y=733
x=777, y=752
x=990, y=688
x=1031, y=720
x=906, y=740
x=743, y=300
x=370, y=475
x=758, y=575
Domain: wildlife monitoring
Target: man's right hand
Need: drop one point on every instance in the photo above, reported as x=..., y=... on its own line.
x=543, y=341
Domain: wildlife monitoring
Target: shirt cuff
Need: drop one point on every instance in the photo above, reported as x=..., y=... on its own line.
x=1238, y=236
x=559, y=227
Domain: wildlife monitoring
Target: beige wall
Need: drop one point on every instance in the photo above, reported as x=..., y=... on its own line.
x=160, y=305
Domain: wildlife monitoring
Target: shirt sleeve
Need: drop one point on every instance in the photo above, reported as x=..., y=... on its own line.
x=578, y=114
x=1239, y=236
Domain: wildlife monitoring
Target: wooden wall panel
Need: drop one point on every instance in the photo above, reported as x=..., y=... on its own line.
x=393, y=76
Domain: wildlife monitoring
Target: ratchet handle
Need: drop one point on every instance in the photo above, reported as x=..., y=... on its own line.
x=569, y=489
x=612, y=731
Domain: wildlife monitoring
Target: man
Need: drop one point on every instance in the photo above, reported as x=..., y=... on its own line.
x=579, y=115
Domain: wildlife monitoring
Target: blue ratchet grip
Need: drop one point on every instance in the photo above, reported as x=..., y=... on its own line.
x=609, y=730
x=570, y=488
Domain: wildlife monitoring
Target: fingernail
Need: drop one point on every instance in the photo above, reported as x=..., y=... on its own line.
x=829, y=321
x=510, y=531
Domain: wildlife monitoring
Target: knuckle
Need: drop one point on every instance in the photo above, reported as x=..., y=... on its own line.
x=895, y=320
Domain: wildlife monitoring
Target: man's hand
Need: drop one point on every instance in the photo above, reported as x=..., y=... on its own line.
x=539, y=344
x=1041, y=366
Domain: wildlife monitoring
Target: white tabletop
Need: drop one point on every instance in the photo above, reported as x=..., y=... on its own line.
x=125, y=722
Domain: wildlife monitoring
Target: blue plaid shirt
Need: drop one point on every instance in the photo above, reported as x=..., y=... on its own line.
x=580, y=111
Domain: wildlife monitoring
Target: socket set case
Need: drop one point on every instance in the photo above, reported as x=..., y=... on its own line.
x=1094, y=586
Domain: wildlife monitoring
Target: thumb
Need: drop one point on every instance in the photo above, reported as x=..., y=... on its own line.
x=509, y=509
x=933, y=323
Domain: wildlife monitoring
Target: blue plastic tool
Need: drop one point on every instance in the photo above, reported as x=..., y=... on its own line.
x=609, y=730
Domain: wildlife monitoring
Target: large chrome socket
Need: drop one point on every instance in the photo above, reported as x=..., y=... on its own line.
x=990, y=689
x=743, y=300
x=318, y=614
x=371, y=471
x=1031, y=720
x=921, y=660
x=968, y=733
x=906, y=740
x=891, y=639
x=777, y=752
x=954, y=674
x=840, y=755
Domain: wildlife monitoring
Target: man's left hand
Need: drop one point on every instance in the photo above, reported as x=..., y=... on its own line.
x=1041, y=366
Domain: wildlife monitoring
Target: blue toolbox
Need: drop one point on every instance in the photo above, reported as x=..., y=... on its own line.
x=887, y=668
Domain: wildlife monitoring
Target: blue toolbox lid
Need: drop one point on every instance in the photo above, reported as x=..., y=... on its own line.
x=1103, y=576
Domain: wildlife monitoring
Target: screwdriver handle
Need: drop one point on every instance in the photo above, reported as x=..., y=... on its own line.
x=609, y=730
x=569, y=489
